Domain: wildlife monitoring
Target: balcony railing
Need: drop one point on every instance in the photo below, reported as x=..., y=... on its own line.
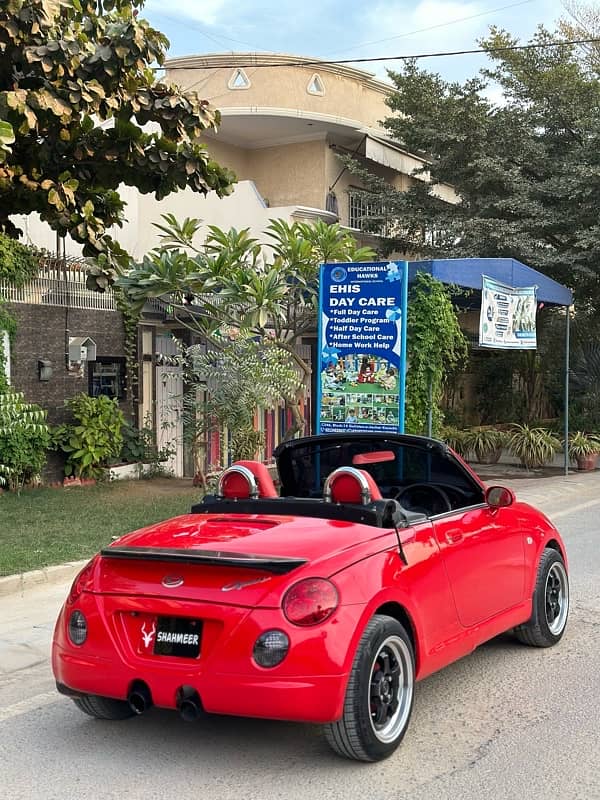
x=59, y=283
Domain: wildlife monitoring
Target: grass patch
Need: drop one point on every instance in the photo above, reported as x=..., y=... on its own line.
x=42, y=527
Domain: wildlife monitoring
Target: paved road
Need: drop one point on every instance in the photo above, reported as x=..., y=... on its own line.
x=508, y=721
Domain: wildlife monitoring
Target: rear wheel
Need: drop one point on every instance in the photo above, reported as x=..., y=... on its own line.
x=550, y=607
x=103, y=707
x=379, y=696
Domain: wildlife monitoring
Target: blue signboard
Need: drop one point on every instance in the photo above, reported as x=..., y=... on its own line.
x=362, y=347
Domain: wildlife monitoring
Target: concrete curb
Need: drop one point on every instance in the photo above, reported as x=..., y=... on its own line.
x=18, y=584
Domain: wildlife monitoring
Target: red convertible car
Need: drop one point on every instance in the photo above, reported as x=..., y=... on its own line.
x=381, y=559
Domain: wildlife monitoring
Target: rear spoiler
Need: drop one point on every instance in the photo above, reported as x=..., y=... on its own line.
x=216, y=558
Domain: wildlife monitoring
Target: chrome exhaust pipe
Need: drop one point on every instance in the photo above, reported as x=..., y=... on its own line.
x=139, y=698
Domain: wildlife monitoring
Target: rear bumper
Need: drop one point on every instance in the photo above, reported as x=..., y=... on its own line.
x=302, y=699
x=308, y=686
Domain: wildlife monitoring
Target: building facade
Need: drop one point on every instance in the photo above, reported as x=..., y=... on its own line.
x=284, y=123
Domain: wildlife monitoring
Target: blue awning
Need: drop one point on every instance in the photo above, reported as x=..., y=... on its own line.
x=467, y=272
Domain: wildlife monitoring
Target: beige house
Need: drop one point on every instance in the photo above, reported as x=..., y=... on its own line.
x=284, y=122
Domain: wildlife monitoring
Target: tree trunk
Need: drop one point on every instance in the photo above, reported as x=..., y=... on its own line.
x=298, y=421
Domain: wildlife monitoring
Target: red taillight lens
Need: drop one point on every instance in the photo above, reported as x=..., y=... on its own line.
x=310, y=601
x=82, y=581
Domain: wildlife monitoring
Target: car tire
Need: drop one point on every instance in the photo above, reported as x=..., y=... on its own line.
x=104, y=707
x=550, y=603
x=379, y=696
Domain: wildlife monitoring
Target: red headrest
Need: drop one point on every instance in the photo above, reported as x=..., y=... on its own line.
x=246, y=479
x=351, y=485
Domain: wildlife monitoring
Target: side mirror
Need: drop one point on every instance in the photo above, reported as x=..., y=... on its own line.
x=499, y=497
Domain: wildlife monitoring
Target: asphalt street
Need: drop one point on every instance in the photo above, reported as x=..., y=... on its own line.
x=506, y=722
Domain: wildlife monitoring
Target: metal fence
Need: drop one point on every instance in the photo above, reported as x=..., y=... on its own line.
x=60, y=283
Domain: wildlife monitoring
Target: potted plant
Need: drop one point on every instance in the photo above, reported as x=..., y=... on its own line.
x=457, y=440
x=486, y=443
x=533, y=446
x=584, y=449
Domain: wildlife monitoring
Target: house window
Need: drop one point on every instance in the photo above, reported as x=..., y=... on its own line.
x=316, y=86
x=239, y=80
x=365, y=214
x=107, y=376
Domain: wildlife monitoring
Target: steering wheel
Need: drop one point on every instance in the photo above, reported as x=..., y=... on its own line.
x=424, y=498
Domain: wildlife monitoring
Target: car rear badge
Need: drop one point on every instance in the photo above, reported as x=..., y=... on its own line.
x=148, y=636
x=172, y=581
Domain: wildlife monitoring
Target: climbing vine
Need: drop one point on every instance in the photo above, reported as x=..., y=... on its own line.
x=131, y=320
x=18, y=262
x=436, y=347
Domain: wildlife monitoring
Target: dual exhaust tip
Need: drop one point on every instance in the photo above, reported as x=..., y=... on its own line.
x=189, y=704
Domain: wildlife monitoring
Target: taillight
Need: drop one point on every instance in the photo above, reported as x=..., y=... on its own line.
x=310, y=601
x=82, y=581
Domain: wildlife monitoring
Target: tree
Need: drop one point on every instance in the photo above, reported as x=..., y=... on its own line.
x=230, y=281
x=526, y=173
x=77, y=89
x=225, y=387
x=583, y=22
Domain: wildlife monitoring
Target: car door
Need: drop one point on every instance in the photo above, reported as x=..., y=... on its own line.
x=484, y=555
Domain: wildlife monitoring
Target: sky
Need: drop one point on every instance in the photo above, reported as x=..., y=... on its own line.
x=332, y=29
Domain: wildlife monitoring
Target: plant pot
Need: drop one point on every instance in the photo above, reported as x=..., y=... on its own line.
x=120, y=472
x=587, y=463
x=491, y=457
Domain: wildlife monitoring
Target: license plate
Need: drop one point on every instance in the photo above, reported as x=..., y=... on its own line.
x=177, y=636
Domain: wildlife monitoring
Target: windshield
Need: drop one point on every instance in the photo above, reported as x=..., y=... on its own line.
x=304, y=464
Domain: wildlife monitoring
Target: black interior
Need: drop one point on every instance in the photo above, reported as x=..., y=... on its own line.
x=424, y=476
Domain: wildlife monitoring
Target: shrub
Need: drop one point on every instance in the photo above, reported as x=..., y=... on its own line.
x=24, y=440
x=457, y=440
x=582, y=444
x=95, y=440
x=485, y=443
x=533, y=446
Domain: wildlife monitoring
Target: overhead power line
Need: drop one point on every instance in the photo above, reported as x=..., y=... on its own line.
x=439, y=54
x=439, y=25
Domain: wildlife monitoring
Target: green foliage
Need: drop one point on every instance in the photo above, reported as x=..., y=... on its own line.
x=131, y=318
x=436, y=348
x=582, y=444
x=241, y=376
x=533, y=446
x=229, y=281
x=24, y=440
x=526, y=172
x=485, y=443
x=139, y=445
x=456, y=439
x=72, y=66
x=18, y=262
x=585, y=372
x=96, y=437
